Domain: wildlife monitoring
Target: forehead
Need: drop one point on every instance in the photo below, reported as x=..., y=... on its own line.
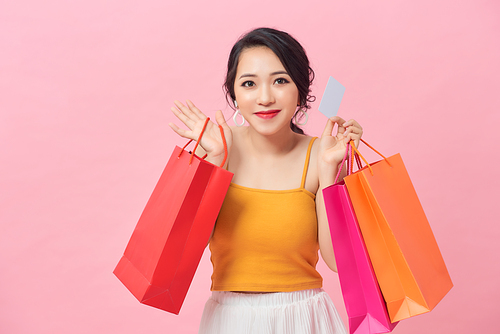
x=258, y=60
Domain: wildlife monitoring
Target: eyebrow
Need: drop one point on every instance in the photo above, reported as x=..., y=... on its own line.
x=245, y=75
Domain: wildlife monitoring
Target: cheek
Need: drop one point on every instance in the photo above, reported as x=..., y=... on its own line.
x=291, y=96
x=244, y=95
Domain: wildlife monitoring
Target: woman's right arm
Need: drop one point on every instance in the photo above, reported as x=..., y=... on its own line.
x=211, y=141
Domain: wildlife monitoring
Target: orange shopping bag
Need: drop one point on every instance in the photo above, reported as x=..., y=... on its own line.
x=167, y=244
x=405, y=256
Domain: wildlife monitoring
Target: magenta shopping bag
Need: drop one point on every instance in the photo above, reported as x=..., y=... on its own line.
x=363, y=300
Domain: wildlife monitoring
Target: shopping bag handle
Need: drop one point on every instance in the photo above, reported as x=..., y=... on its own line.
x=347, y=153
x=199, y=139
x=350, y=163
x=349, y=156
x=359, y=154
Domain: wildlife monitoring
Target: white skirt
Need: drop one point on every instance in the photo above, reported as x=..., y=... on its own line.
x=298, y=312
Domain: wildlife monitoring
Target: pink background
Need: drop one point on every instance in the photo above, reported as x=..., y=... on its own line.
x=85, y=92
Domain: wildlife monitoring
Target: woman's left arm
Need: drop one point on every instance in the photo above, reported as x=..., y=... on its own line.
x=330, y=154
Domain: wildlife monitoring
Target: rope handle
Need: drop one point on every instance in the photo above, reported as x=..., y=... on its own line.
x=356, y=155
x=349, y=157
x=359, y=154
x=225, y=145
x=351, y=163
x=198, y=142
x=347, y=152
x=375, y=151
x=358, y=161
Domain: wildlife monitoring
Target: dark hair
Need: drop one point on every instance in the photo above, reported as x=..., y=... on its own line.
x=291, y=54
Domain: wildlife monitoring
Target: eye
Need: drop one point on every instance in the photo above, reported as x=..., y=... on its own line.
x=281, y=81
x=248, y=84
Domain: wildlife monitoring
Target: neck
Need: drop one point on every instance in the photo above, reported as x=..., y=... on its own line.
x=278, y=143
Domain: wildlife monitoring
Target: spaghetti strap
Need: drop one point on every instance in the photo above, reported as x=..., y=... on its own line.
x=306, y=164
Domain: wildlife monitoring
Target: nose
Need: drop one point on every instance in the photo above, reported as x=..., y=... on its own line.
x=266, y=96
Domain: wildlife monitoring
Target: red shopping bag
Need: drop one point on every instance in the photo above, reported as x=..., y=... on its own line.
x=405, y=256
x=364, y=303
x=167, y=244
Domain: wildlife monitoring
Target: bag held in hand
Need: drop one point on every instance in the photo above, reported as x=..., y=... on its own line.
x=167, y=244
x=405, y=256
x=364, y=303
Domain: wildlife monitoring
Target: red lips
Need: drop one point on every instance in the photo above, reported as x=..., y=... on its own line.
x=268, y=114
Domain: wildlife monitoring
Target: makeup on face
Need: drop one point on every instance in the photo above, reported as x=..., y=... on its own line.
x=264, y=90
x=267, y=114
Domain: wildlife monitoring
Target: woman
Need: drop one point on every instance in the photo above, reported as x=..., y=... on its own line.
x=265, y=243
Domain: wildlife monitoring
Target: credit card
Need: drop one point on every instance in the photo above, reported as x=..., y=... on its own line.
x=330, y=102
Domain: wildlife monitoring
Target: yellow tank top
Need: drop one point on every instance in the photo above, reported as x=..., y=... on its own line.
x=266, y=240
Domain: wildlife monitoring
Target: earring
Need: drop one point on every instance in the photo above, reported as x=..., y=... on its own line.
x=297, y=118
x=236, y=115
x=235, y=104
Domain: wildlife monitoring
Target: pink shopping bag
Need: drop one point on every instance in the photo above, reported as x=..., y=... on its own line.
x=363, y=300
x=410, y=269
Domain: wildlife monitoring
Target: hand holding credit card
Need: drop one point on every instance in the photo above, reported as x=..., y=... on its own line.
x=330, y=102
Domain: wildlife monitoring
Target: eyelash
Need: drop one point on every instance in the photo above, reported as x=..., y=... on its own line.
x=246, y=84
x=251, y=83
x=283, y=79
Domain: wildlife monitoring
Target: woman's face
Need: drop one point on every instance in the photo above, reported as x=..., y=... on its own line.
x=266, y=95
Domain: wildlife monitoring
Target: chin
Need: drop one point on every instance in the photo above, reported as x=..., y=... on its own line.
x=271, y=129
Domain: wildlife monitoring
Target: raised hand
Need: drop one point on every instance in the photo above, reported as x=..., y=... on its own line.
x=194, y=119
x=332, y=148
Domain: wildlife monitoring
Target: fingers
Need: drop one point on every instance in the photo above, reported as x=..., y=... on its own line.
x=340, y=122
x=182, y=117
x=183, y=114
x=189, y=114
x=353, y=137
x=352, y=122
x=195, y=110
x=330, y=124
x=226, y=130
x=219, y=117
x=194, y=119
x=328, y=128
x=181, y=132
x=353, y=131
x=184, y=110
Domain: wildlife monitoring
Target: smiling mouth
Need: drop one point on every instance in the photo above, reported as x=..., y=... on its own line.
x=267, y=114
